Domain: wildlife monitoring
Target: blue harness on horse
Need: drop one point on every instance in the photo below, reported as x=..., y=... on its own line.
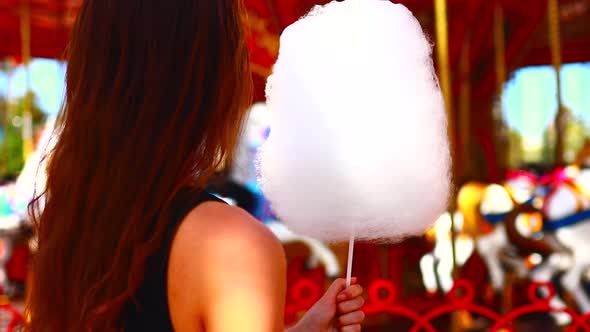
x=552, y=225
x=496, y=218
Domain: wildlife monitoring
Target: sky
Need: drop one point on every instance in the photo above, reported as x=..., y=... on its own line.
x=530, y=97
x=47, y=81
x=529, y=101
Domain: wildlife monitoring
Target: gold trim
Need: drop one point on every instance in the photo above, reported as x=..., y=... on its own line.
x=25, y=30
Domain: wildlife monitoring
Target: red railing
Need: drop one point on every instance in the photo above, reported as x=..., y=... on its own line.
x=10, y=318
x=382, y=299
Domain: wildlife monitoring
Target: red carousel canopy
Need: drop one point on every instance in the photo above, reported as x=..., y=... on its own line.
x=525, y=26
x=470, y=22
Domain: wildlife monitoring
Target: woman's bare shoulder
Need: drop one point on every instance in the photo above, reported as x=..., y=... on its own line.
x=216, y=225
x=219, y=251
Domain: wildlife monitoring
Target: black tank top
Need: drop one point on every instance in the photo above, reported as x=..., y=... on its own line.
x=149, y=311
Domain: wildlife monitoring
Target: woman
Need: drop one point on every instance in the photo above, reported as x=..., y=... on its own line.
x=128, y=240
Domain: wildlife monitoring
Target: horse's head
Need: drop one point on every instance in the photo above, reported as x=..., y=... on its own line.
x=496, y=204
x=521, y=185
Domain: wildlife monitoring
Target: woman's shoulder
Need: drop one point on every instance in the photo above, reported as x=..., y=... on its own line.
x=220, y=251
x=214, y=225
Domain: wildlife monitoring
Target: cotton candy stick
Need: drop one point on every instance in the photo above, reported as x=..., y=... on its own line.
x=349, y=263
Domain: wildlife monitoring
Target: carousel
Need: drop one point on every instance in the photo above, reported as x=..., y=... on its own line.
x=510, y=254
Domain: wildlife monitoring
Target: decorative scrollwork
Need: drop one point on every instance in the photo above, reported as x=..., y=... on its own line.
x=383, y=299
x=11, y=318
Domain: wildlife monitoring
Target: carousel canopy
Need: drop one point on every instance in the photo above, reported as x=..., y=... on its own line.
x=470, y=29
x=470, y=21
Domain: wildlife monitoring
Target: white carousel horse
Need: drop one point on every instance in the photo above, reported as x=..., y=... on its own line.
x=519, y=190
x=437, y=266
x=496, y=204
x=567, y=212
x=475, y=200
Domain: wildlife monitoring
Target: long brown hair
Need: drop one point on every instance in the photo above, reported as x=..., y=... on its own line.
x=156, y=94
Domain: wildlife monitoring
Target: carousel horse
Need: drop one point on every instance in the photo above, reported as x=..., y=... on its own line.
x=437, y=266
x=510, y=222
x=566, y=213
x=482, y=209
x=497, y=202
x=505, y=222
x=520, y=230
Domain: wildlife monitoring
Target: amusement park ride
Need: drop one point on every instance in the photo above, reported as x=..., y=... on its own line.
x=525, y=235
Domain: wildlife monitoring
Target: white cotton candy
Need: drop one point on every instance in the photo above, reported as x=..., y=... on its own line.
x=358, y=140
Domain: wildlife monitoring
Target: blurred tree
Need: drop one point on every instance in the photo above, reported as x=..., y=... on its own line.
x=11, y=145
x=514, y=147
x=509, y=146
x=576, y=133
x=548, y=150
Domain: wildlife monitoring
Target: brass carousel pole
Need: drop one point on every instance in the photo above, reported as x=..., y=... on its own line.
x=499, y=42
x=442, y=47
x=442, y=42
x=500, y=64
x=4, y=104
x=465, y=105
x=500, y=68
x=25, y=30
x=555, y=43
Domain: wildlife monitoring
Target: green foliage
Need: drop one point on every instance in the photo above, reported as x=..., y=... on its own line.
x=549, y=140
x=575, y=136
x=514, y=149
x=11, y=146
x=518, y=153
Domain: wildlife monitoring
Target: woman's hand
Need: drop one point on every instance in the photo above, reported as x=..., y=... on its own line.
x=337, y=311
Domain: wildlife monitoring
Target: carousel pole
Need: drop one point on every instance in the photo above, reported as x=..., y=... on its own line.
x=4, y=104
x=500, y=68
x=500, y=50
x=25, y=30
x=500, y=64
x=555, y=43
x=465, y=105
x=444, y=66
x=11, y=109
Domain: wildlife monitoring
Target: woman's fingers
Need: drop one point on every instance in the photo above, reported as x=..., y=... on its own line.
x=350, y=305
x=337, y=288
x=351, y=328
x=350, y=293
x=352, y=318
